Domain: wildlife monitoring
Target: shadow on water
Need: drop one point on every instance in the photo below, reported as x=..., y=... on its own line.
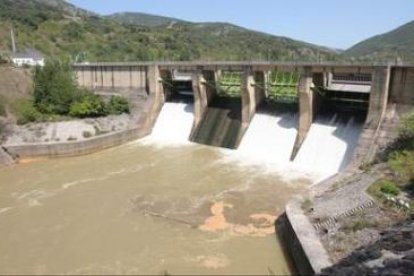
x=183, y=98
x=288, y=113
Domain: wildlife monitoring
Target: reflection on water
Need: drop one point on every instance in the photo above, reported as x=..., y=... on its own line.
x=142, y=209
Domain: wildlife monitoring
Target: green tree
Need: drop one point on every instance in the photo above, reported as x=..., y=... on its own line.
x=55, y=88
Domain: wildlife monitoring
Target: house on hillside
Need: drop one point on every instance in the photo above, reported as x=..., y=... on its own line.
x=30, y=58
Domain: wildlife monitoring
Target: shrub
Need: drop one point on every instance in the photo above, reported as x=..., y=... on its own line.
x=389, y=188
x=402, y=162
x=2, y=108
x=118, y=105
x=2, y=129
x=407, y=127
x=358, y=225
x=87, y=134
x=27, y=113
x=90, y=106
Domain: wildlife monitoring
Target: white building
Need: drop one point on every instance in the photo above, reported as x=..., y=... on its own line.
x=29, y=58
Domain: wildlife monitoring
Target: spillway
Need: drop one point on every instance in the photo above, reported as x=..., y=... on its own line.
x=327, y=149
x=270, y=138
x=173, y=125
x=329, y=144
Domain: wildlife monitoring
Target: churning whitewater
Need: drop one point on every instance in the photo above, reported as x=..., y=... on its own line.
x=173, y=125
x=270, y=139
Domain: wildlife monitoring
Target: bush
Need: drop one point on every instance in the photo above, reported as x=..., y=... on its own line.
x=402, y=162
x=2, y=108
x=87, y=134
x=389, y=188
x=27, y=113
x=117, y=105
x=90, y=106
x=55, y=88
x=407, y=127
x=2, y=129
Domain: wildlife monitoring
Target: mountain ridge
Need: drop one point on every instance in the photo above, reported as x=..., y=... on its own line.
x=397, y=44
x=58, y=29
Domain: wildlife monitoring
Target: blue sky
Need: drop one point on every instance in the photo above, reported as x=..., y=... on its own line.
x=337, y=24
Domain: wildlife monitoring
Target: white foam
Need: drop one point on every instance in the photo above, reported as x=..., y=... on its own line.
x=328, y=146
x=270, y=139
x=173, y=125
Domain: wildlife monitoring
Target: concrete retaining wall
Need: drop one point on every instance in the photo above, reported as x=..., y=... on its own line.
x=76, y=147
x=302, y=242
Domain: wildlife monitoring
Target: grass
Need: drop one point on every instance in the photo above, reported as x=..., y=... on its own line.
x=383, y=187
x=307, y=205
x=358, y=225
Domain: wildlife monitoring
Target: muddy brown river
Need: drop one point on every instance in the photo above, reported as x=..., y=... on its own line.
x=143, y=209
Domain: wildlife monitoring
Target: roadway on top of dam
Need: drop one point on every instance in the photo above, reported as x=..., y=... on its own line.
x=248, y=63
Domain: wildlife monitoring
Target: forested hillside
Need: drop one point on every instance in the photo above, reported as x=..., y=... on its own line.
x=59, y=29
x=397, y=44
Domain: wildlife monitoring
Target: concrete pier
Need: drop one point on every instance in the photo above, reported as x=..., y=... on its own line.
x=306, y=109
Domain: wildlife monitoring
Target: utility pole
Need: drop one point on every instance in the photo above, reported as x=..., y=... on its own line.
x=12, y=40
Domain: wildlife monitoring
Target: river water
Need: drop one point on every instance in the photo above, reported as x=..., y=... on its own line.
x=160, y=205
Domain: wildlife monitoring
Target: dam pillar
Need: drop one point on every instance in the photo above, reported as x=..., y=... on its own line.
x=155, y=101
x=378, y=102
x=379, y=95
x=306, y=109
x=261, y=79
x=201, y=98
x=248, y=95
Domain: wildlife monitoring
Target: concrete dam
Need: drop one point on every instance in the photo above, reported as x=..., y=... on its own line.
x=316, y=117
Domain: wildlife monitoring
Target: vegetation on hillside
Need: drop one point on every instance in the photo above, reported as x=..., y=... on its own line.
x=87, y=37
x=395, y=45
x=136, y=18
x=399, y=181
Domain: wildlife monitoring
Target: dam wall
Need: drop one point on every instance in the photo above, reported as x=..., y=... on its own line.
x=213, y=115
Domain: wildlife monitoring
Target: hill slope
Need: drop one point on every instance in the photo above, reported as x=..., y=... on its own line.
x=149, y=20
x=388, y=46
x=52, y=27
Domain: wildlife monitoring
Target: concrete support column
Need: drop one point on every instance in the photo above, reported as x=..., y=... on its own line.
x=261, y=79
x=367, y=144
x=248, y=96
x=329, y=78
x=155, y=99
x=306, y=109
x=379, y=95
x=200, y=98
